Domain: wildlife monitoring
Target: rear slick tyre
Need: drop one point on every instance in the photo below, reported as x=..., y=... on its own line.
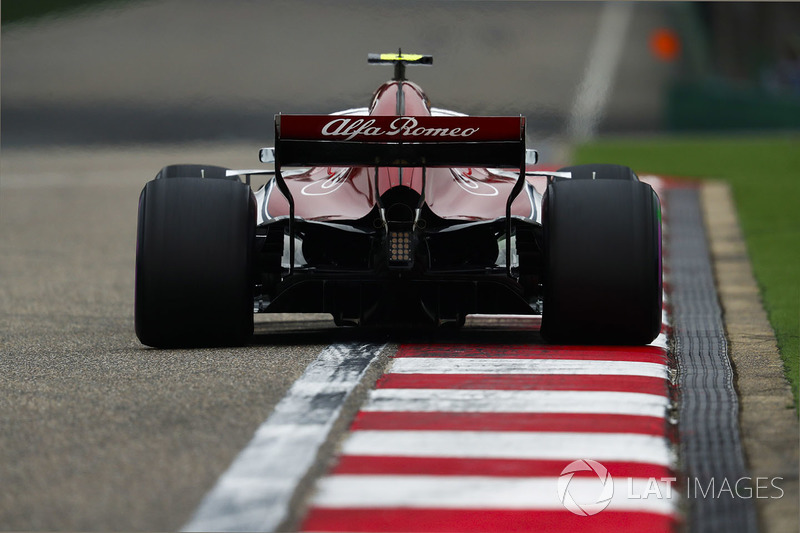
x=602, y=274
x=194, y=263
x=195, y=171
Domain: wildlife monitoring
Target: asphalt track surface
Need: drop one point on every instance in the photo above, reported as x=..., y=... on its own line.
x=99, y=432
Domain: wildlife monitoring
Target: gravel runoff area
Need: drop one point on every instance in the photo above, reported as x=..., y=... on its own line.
x=768, y=421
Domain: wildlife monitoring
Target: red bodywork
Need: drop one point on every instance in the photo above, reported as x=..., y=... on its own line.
x=348, y=193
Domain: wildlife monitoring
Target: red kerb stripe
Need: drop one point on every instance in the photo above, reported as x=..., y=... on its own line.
x=646, y=354
x=561, y=382
x=457, y=466
x=551, y=422
x=483, y=520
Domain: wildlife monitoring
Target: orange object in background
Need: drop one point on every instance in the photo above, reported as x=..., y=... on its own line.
x=665, y=44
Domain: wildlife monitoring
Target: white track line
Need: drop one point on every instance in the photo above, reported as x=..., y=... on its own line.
x=601, y=67
x=478, y=492
x=498, y=365
x=565, y=446
x=254, y=493
x=517, y=401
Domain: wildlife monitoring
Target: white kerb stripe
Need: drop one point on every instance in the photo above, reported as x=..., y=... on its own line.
x=517, y=401
x=479, y=492
x=472, y=365
x=565, y=446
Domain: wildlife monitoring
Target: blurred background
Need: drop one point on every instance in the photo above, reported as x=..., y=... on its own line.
x=150, y=71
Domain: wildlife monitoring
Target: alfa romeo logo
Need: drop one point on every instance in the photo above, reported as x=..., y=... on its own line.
x=587, y=504
x=351, y=128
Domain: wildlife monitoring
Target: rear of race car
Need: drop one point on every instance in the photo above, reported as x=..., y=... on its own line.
x=398, y=214
x=400, y=262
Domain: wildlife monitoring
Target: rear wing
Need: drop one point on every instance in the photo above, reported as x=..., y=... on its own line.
x=399, y=141
x=392, y=141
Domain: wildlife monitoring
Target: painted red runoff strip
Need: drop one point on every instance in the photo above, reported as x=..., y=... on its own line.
x=616, y=383
x=483, y=520
x=456, y=466
x=542, y=422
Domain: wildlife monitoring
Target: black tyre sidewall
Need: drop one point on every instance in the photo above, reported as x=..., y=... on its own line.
x=602, y=275
x=605, y=171
x=195, y=171
x=194, y=263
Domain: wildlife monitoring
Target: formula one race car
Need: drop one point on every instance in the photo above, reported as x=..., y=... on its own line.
x=398, y=214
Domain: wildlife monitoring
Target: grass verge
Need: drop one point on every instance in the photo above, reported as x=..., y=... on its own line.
x=764, y=174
